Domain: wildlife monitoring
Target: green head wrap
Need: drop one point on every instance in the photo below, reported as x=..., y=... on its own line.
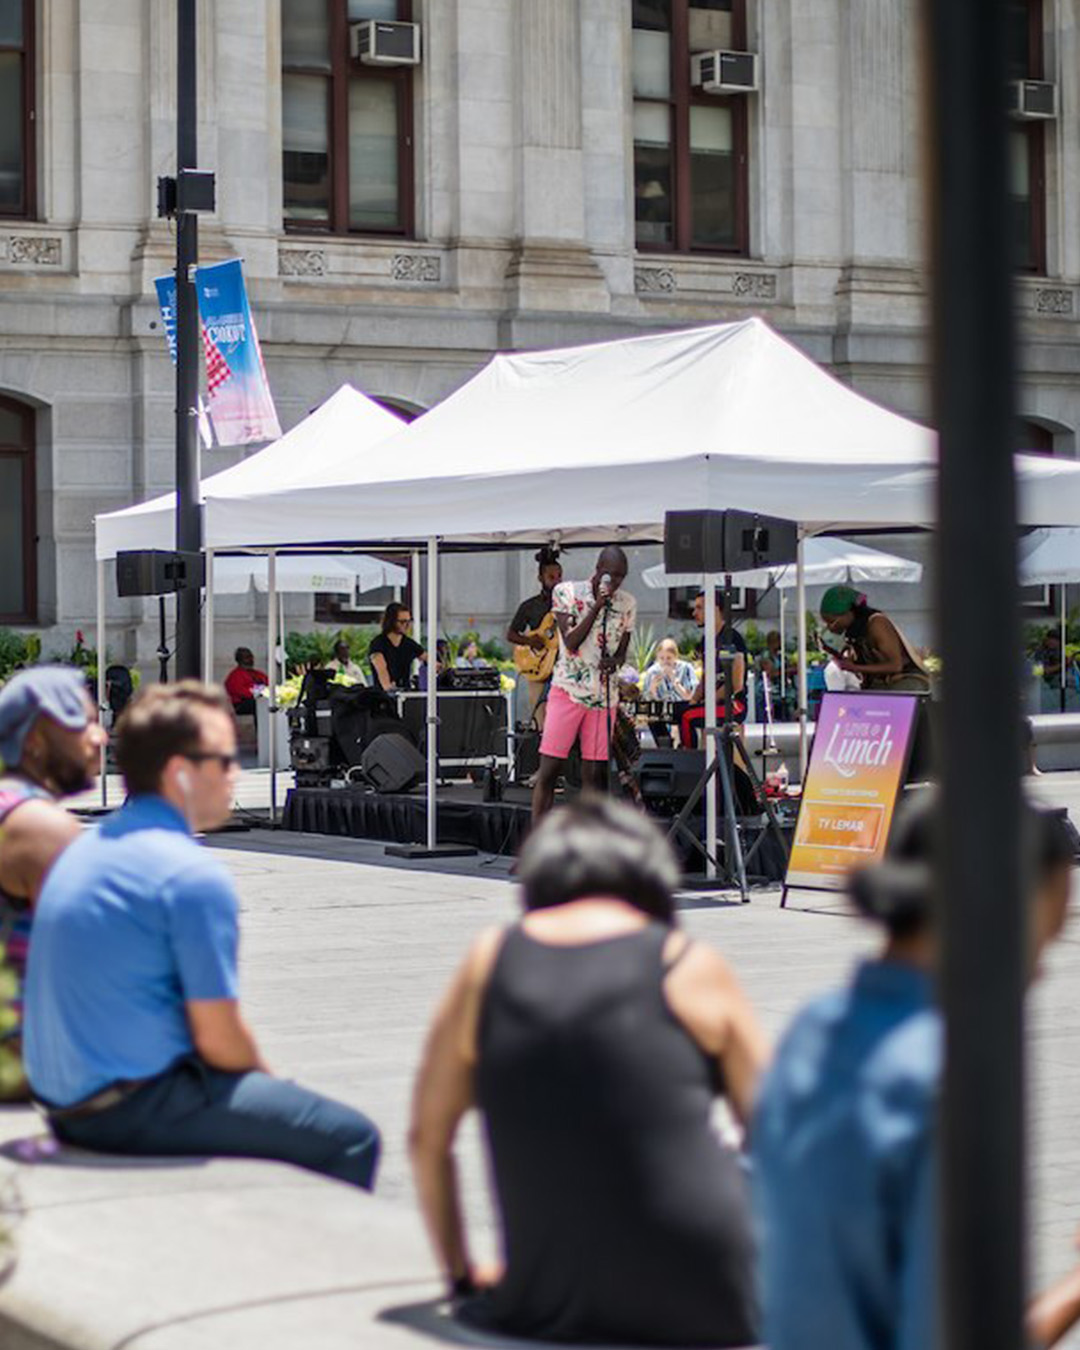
x=840, y=600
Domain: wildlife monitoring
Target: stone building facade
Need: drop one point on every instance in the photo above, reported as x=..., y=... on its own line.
x=547, y=175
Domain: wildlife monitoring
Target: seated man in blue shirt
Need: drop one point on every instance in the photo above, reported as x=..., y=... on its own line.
x=134, y=1039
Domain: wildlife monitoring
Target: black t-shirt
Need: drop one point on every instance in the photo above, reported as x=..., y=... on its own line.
x=729, y=639
x=399, y=659
x=530, y=612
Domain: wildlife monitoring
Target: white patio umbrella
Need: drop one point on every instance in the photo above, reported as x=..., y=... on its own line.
x=1051, y=558
x=332, y=574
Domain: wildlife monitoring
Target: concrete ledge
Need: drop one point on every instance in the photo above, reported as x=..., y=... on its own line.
x=187, y=1254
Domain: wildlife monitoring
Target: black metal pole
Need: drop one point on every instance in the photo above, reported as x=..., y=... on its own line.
x=981, y=1274
x=188, y=516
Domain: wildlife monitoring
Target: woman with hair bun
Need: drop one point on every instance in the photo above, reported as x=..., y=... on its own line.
x=594, y=1038
x=843, y=1130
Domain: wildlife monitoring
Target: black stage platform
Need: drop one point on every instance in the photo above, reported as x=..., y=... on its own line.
x=464, y=818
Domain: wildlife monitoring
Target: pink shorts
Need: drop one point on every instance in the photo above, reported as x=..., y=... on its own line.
x=566, y=720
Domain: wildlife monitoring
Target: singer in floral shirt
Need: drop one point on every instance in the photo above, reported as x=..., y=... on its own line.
x=595, y=620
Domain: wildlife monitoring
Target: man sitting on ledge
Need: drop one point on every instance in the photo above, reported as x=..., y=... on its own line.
x=134, y=1040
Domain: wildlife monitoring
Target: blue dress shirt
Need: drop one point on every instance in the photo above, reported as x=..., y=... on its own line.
x=134, y=920
x=844, y=1188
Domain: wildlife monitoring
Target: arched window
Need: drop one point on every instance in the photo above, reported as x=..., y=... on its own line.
x=18, y=514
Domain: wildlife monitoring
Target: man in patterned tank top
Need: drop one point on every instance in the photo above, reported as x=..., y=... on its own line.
x=50, y=744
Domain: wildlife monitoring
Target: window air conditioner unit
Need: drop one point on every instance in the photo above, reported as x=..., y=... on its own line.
x=1032, y=100
x=725, y=72
x=376, y=43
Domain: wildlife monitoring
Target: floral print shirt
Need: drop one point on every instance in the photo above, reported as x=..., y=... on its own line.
x=578, y=673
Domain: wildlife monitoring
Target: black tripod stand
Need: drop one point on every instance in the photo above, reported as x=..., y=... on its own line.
x=732, y=870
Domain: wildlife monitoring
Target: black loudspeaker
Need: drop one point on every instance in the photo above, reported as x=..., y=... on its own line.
x=392, y=764
x=726, y=541
x=155, y=571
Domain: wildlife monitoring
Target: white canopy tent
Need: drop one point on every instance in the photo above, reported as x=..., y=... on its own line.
x=593, y=443
x=596, y=443
x=341, y=431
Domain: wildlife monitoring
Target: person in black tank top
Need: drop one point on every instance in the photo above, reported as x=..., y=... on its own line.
x=592, y=1039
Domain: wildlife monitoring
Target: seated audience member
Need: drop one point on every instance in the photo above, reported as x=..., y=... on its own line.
x=135, y=1042
x=669, y=679
x=50, y=748
x=470, y=658
x=594, y=1037
x=242, y=682
x=393, y=652
x=343, y=664
x=843, y=1133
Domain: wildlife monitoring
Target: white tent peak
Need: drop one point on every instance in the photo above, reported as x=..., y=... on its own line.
x=321, y=447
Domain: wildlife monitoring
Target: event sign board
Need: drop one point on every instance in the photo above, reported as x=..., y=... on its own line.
x=858, y=762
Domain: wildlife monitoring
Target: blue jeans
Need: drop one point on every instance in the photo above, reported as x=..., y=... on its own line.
x=192, y=1109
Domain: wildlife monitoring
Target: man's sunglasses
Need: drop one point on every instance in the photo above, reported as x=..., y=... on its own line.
x=200, y=756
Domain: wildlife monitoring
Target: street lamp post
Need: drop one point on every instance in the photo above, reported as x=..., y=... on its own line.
x=189, y=536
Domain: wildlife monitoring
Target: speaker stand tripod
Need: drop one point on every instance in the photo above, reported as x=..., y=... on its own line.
x=732, y=870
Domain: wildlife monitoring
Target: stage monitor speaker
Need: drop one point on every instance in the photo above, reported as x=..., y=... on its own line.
x=155, y=571
x=392, y=764
x=668, y=777
x=726, y=541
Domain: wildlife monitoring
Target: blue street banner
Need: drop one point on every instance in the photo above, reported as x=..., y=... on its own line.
x=239, y=402
x=241, y=407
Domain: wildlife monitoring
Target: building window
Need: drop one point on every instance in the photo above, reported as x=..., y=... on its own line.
x=16, y=107
x=18, y=514
x=1027, y=140
x=690, y=148
x=347, y=128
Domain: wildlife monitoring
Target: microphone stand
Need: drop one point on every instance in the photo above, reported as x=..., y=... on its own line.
x=612, y=768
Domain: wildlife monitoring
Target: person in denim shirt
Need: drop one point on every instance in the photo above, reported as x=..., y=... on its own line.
x=843, y=1139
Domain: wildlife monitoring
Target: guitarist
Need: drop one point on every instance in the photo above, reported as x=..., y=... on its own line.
x=525, y=629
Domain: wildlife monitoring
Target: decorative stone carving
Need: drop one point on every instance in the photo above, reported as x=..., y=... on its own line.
x=301, y=262
x=416, y=267
x=654, y=281
x=757, y=285
x=31, y=250
x=1054, y=300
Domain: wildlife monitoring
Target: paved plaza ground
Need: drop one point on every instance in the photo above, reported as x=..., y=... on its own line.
x=344, y=957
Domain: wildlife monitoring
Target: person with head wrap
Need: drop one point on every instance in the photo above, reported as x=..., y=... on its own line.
x=50, y=746
x=874, y=648
x=843, y=1131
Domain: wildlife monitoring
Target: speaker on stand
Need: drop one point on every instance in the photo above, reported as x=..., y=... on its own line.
x=720, y=543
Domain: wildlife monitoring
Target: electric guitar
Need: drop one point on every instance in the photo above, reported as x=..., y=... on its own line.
x=538, y=665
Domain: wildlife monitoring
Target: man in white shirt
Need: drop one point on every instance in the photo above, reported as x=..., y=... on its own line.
x=595, y=620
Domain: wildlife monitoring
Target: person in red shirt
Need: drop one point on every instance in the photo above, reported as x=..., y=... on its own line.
x=241, y=683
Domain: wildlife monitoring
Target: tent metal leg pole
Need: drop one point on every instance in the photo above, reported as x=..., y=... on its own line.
x=432, y=693
x=101, y=663
x=417, y=593
x=208, y=620
x=783, y=652
x=708, y=675
x=272, y=642
x=800, y=619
